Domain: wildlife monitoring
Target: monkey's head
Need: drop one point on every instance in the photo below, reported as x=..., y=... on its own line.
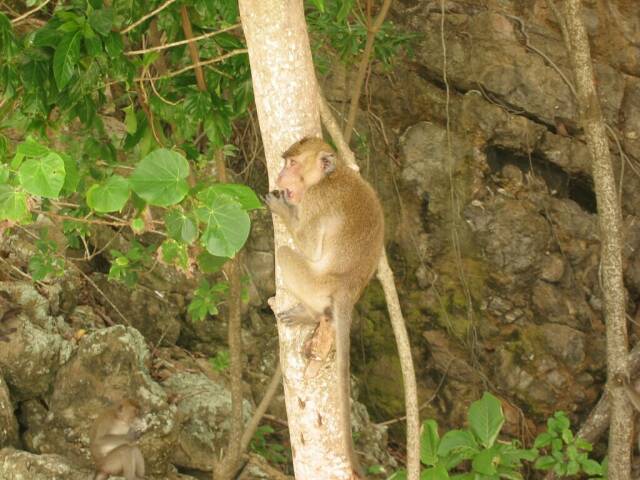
x=127, y=410
x=306, y=163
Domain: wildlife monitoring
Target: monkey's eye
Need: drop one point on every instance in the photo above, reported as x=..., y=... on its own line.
x=292, y=162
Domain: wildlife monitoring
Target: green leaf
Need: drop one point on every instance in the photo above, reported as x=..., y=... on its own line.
x=486, y=419
x=31, y=148
x=43, y=176
x=545, y=463
x=227, y=223
x=591, y=467
x=319, y=4
x=435, y=473
x=429, y=440
x=543, y=440
x=71, y=177
x=137, y=225
x=210, y=263
x=101, y=21
x=243, y=194
x=130, y=120
x=180, y=226
x=5, y=173
x=66, y=58
x=113, y=45
x=484, y=462
x=399, y=475
x=13, y=204
x=458, y=441
x=160, y=178
x=109, y=196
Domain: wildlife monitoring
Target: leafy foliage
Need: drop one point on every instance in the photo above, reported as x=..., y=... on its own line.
x=475, y=453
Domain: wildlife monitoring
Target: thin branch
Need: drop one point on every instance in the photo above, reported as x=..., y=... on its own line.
x=251, y=427
x=30, y=12
x=233, y=53
x=193, y=48
x=181, y=42
x=372, y=31
x=147, y=16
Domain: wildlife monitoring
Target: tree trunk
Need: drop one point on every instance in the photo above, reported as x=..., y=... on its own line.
x=610, y=220
x=285, y=91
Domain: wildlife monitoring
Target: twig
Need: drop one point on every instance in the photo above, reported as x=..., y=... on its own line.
x=251, y=427
x=147, y=16
x=233, y=53
x=372, y=31
x=30, y=12
x=181, y=42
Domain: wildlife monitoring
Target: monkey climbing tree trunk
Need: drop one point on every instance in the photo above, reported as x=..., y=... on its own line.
x=610, y=220
x=285, y=89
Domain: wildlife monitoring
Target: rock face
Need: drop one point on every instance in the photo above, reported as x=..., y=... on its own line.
x=497, y=235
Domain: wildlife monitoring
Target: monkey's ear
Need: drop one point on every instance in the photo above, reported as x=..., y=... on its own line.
x=328, y=162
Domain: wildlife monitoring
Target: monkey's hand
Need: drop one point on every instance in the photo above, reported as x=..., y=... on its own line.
x=133, y=434
x=277, y=203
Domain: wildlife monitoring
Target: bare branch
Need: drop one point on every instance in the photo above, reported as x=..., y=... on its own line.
x=182, y=42
x=362, y=69
x=30, y=12
x=147, y=16
x=233, y=53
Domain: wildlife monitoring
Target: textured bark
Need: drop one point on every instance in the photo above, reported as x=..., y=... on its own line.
x=609, y=215
x=286, y=100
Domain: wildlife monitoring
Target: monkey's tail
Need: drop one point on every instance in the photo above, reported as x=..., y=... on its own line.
x=342, y=317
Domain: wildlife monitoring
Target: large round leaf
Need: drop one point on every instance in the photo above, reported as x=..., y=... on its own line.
x=43, y=176
x=227, y=224
x=161, y=178
x=109, y=196
x=13, y=204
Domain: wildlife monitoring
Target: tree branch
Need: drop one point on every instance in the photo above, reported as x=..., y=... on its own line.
x=182, y=42
x=30, y=12
x=372, y=31
x=147, y=16
x=610, y=221
x=230, y=54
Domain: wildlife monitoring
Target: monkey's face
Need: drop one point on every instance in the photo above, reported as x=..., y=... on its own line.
x=303, y=171
x=128, y=410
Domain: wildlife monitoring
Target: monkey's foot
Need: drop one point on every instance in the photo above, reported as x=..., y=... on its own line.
x=297, y=315
x=317, y=348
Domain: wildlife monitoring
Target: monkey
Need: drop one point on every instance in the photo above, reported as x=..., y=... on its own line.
x=113, y=444
x=336, y=221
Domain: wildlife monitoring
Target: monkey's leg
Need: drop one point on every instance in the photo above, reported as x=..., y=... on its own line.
x=303, y=282
x=139, y=460
x=101, y=476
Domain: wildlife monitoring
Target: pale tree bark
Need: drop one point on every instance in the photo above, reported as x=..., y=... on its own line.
x=284, y=85
x=610, y=221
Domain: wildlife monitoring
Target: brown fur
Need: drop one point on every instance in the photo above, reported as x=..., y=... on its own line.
x=336, y=221
x=113, y=443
